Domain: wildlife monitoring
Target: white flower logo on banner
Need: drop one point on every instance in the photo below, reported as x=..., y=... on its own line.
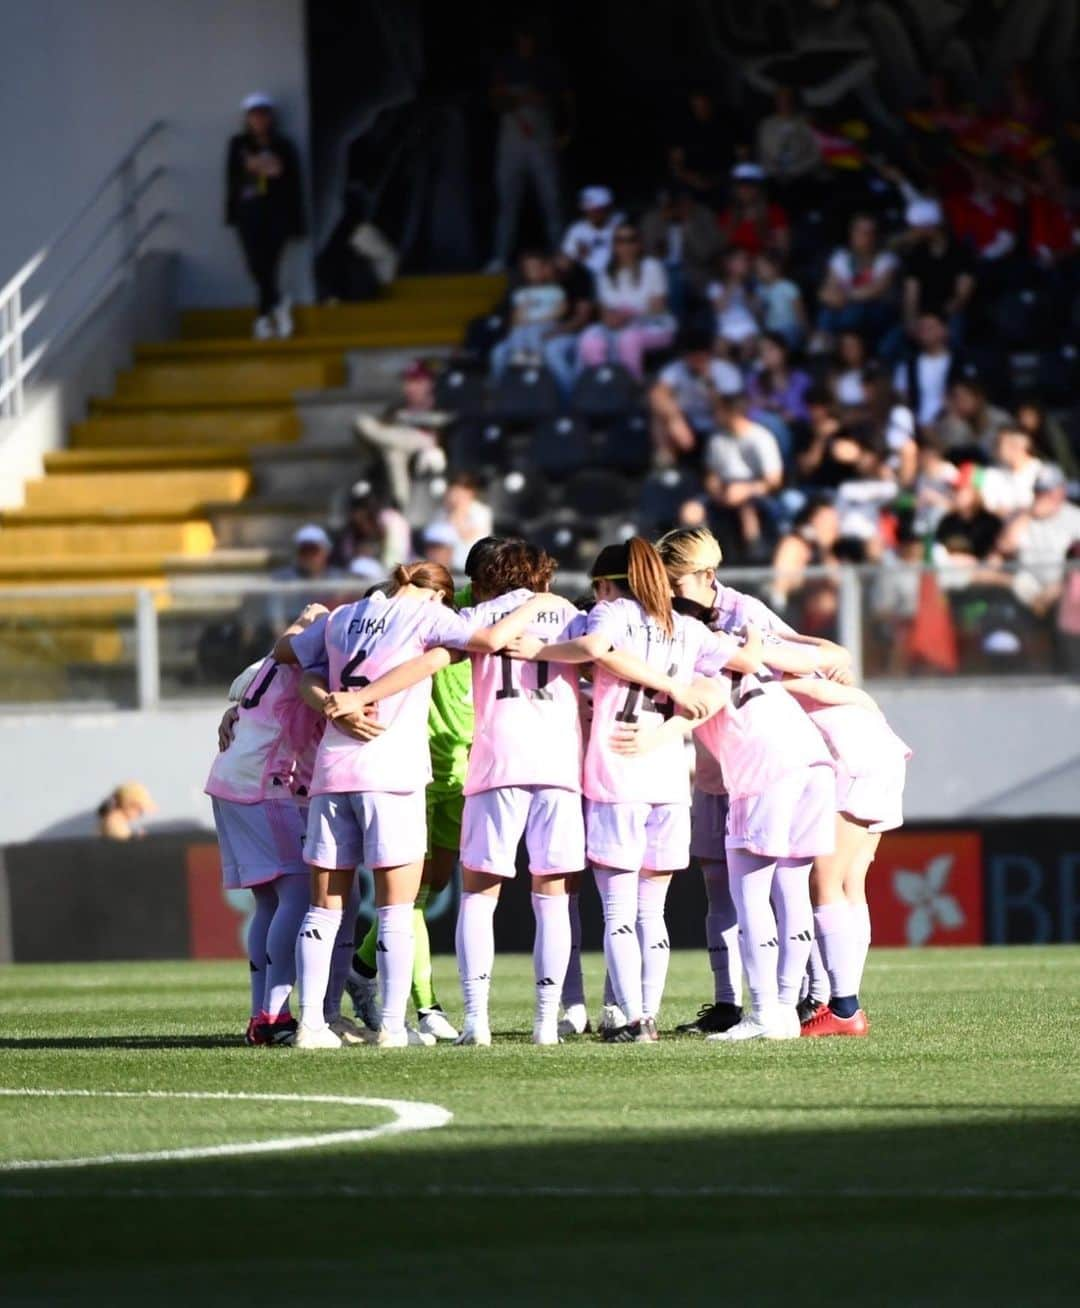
x=925, y=894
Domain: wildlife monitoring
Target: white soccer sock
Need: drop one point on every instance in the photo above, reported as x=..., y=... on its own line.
x=795, y=925
x=751, y=887
x=834, y=928
x=573, y=990
x=722, y=935
x=551, y=954
x=622, y=950
x=860, y=921
x=395, y=949
x=292, y=902
x=817, y=978
x=314, y=952
x=265, y=903
x=474, y=942
x=653, y=939
x=341, y=961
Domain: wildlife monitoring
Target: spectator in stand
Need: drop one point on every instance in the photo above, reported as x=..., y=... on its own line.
x=923, y=378
x=589, y=240
x=861, y=498
x=264, y=202
x=935, y=484
x=561, y=347
x=408, y=431
x=891, y=423
x=634, y=312
x=310, y=563
x=1048, y=438
x=530, y=94
x=537, y=308
x=1008, y=485
x=120, y=814
x=743, y=469
x=777, y=393
x=466, y=515
x=984, y=218
x=695, y=159
x=939, y=273
x=440, y=544
x=735, y=306
x=811, y=543
x=373, y=530
x=1051, y=227
x=750, y=222
x=780, y=300
x=857, y=292
x=1040, y=540
x=681, y=232
x=846, y=374
x=968, y=533
x=787, y=148
x=970, y=424
x=681, y=399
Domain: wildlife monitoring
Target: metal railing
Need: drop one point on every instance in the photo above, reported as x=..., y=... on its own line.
x=58, y=288
x=142, y=646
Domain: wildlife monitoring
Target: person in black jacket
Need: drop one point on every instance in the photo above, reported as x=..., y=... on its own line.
x=264, y=204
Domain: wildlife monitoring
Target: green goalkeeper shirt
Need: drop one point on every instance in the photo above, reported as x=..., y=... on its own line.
x=450, y=719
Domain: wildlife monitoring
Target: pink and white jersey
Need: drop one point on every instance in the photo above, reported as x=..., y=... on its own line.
x=757, y=739
x=274, y=741
x=662, y=776
x=359, y=642
x=732, y=610
x=860, y=739
x=528, y=718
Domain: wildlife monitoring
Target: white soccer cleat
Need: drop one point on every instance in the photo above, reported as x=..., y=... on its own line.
x=611, y=1018
x=775, y=1024
x=315, y=1037
x=407, y=1039
x=545, y=1035
x=264, y=328
x=348, y=1032
x=574, y=1021
x=434, y=1022
x=474, y=1035
x=364, y=993
x=283, y=323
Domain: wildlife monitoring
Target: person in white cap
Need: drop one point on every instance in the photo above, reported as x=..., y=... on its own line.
x=589, y=241
x=535, y=107
x=265, y=205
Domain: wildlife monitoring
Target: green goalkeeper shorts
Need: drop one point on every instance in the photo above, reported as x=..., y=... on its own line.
x=444, y=820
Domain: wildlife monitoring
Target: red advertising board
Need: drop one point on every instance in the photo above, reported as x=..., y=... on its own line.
x=214, y=924
x=926, y=888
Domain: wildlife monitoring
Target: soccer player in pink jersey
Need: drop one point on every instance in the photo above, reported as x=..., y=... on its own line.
x=258, y=784
x=368, y=802
x=637, y=809
x=871, y=763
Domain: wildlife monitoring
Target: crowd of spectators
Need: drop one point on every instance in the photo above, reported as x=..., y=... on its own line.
x=837, y=353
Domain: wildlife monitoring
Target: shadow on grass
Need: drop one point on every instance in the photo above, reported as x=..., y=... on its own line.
x=125, y=1042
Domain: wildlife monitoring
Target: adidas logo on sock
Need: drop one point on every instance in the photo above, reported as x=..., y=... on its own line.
x=660, y=944
x=623, y=931
x=770, y=944
x=252, y=966
x=380, y=948
x=803, y=935
x=312, y=933
x=547, y=981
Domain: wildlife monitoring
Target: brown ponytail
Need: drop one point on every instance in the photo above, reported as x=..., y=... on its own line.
x=425, y=575
x=649, y=584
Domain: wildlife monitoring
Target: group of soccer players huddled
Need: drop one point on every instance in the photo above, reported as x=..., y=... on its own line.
x=418, y=727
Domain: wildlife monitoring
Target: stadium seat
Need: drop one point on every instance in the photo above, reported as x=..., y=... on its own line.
x=626, y=445
x=516, y=496
x=482, y=334
x=461, y=391
x=477, y=443
x=661, y=496
x=562, y=538
x=560, y=445
x=525, y=395
x=1024, y=319
x=604, y=392
x=594, y=493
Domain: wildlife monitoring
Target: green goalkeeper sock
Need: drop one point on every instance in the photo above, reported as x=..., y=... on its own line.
x=364, y=958
x=423, y=991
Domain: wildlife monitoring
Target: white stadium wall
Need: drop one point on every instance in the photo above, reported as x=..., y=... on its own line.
x=81, y=81
x=979, y=752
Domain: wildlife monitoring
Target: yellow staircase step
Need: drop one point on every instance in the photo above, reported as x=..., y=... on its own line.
x=61, y=609
x=130, y=458
x=266, y=378
x=82, y=541
x=201, y=426
x=183, y=491
x=59, y=644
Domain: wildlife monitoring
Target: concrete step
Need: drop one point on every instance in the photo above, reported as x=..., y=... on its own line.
x=137, y=458
x=321, y=472
x=130, y=493
x=202, y=426
x=266, y=523
x=203, y=382
x=82, y=542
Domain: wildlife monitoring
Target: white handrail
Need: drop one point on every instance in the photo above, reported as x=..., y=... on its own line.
x=18, y=359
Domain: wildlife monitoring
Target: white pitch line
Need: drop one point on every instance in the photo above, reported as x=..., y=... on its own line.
x=408, y=1116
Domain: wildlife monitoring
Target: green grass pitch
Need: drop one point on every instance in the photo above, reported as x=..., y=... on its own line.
x=937, y=1162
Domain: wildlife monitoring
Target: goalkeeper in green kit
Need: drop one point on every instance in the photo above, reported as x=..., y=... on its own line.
x=450, y=733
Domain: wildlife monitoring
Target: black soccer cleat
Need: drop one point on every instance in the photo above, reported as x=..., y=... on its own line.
x=280, y=1032
x=711, y=1019
x=808, y=1008
x=630, y=1034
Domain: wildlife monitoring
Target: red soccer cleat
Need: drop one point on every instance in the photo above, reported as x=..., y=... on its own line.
x=826, y=1023
x=253, y=1035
